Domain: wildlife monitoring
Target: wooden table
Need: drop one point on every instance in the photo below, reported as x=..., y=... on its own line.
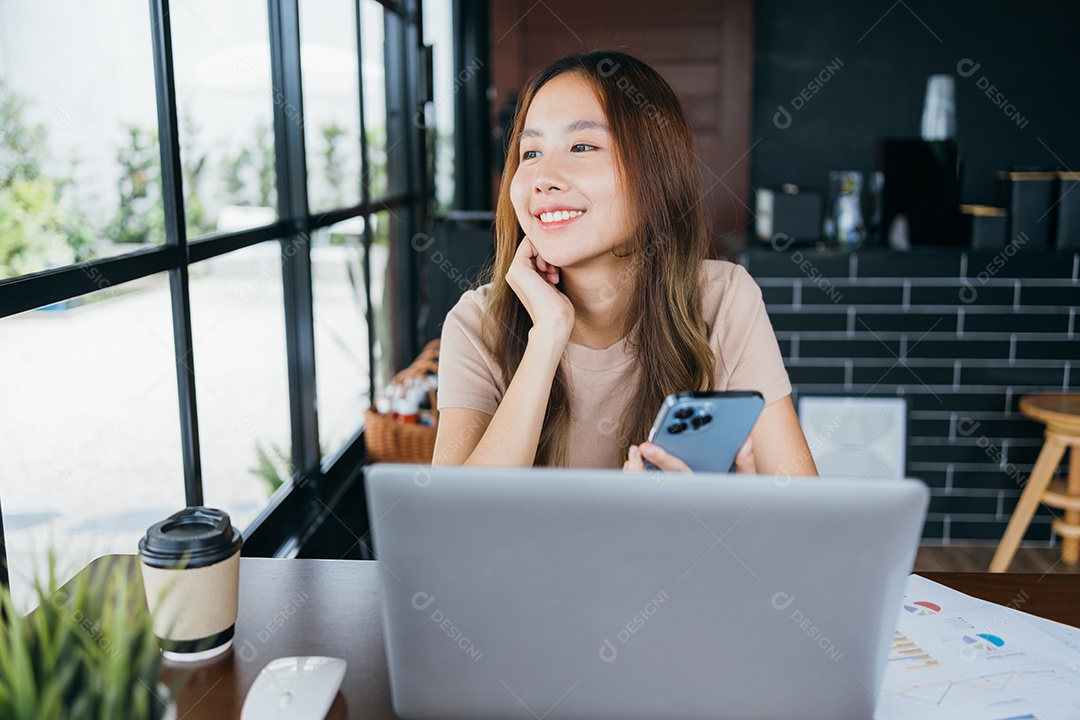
x=1055, y=597
x=331, y=607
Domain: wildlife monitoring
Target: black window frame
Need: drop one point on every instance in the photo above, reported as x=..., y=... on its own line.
x=296, y=510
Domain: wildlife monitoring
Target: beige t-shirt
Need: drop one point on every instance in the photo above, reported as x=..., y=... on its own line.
x=603, y=381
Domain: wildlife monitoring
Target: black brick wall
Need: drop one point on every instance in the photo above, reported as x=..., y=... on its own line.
x=961, y=335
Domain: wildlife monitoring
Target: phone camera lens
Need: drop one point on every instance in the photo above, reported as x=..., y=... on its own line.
x=683, y=413
x=676, y=428
x=704, y=419
x=696, y=422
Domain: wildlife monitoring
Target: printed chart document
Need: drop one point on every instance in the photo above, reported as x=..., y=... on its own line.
x=957, y=657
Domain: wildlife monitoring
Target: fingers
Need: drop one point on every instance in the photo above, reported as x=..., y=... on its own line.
x=744, y=461
x=534, y=281
x=662, y=459
x=549, y=271
x=526, y=251
x=546, y=269
x=634, y=462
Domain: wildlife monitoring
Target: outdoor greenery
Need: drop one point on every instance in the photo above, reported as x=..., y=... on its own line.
x=140, y=216
x=248, y=172
x=336, y=143
x=377, y=179
x=88, y=652
x=192, y=165
x=266, y=167
x=41, y=227
x=23, y=142
x=333, y=170
x=273, y=466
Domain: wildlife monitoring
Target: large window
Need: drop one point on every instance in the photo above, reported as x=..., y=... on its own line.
x=438, y=114
x=328, y=54
x=79, y=161
x=238, y=341
x=205, y=214
x=224, y=103
x=90, y=433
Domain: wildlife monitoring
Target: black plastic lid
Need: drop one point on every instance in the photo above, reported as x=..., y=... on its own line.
x=194, y=537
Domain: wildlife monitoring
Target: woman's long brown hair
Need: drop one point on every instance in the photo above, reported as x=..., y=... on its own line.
x=656, y=162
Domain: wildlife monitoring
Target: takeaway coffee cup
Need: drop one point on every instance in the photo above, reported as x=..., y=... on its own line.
x=191, y=574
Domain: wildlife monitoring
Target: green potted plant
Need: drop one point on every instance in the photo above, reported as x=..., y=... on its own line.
x=88, y=652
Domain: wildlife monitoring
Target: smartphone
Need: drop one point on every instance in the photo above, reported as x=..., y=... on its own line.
x=706, y=430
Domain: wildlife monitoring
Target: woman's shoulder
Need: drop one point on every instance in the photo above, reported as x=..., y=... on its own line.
x=470, y=307
x=477, y=296
x=721, y=278
x=728, y=291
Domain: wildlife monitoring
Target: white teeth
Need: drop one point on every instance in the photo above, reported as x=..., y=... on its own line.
x=558, y=215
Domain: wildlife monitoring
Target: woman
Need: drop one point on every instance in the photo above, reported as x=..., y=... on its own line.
x=602, y=302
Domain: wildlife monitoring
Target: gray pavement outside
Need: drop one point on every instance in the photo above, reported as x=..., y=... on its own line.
x=89, y=421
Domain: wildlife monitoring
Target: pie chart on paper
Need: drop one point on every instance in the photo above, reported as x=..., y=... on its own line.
x=922, y=607
x=984, y=642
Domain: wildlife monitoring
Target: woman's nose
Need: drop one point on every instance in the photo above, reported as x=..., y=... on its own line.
x=550, y=176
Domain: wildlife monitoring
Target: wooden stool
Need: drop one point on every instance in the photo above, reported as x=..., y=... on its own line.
x=1061, y=414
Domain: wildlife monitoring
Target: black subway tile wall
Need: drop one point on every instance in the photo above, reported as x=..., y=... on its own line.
x=890, y=322
x=1056, y=295
x=776, y=295
x=961, y=335
x=823, y=292
x=1054, y=323
x=949, y=295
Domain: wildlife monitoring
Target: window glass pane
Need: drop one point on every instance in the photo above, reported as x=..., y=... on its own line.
x=381, y=301
x=439, y=115
x=225, y=110
x=331, y=102
x=79, y=161
x=238, y=335
x=341, y=329
x=90, y=426
x=371, y=29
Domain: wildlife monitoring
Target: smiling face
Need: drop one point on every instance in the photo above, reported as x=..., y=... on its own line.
x=566, y=191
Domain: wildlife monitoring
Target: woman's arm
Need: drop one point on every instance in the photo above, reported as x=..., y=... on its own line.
x=510, y=437
x=779, y=444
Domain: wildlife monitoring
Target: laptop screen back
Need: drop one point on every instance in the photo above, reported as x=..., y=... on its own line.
x=547, y=593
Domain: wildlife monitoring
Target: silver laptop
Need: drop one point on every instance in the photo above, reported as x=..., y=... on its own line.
x=547, y=594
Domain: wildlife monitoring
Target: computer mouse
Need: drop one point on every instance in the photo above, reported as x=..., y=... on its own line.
x=294, y=688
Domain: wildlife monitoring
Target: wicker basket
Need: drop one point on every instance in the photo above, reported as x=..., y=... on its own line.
x=388, y=440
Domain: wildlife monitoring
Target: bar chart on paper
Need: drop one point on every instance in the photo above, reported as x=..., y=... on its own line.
x=910, y=655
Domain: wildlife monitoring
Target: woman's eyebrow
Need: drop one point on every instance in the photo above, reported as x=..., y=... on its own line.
x=573, y=127
x=586, y=125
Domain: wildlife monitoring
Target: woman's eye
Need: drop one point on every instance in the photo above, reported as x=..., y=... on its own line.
x=582, y=147
x=529, y=154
